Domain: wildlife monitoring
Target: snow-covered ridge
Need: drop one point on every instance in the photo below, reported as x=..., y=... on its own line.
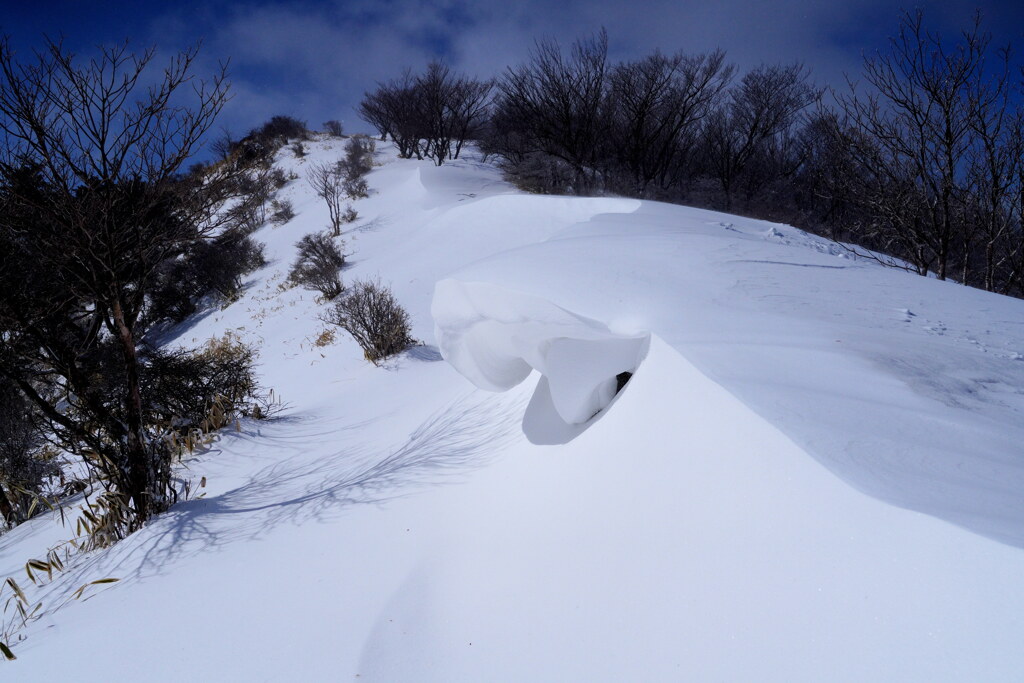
x=908, y=388
x=398, y=523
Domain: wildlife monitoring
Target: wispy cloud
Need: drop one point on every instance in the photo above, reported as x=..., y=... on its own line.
x=315, y=59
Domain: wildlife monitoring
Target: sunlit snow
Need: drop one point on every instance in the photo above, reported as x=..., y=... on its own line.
x=813, y=473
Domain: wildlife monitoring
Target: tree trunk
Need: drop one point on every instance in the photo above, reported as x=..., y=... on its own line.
x=6, y=509
x=139, y=471
x=990, y=258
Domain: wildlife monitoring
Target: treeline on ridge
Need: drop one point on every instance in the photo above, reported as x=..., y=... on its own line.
x=920, y=165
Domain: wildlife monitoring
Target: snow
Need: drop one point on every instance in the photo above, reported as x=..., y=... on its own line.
x=814, y=472
x=496, y=338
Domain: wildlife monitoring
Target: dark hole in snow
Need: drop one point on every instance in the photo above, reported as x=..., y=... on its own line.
x=621, y=379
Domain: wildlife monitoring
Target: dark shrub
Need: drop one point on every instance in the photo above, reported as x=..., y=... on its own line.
x=317, y=265
x=209, y=267
x=281, y=211
x=540, y=174
x=281, y=129
x=221, y=263
x=173, y=298
x=258, y=147
x=333, y=127
x=356, y=188
x=277, y=178
x=372, y=315
x=254, y=153
x=359, y=152
x=201, y=388
x=21, y=470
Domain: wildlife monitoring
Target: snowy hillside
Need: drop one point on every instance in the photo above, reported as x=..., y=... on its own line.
x=813, y=473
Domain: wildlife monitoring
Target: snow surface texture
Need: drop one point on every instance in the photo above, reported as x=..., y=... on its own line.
x=496, y=338
x=397, y=524
x=910, y=389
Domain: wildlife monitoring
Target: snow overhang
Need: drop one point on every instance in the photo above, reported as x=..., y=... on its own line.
x=496, y=337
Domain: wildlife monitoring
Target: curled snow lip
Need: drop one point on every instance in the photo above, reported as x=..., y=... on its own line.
x=495, y=337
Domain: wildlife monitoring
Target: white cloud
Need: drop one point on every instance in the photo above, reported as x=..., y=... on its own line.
x=315, y=59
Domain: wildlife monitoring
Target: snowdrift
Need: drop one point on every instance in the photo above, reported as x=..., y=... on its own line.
x=905, y=387
x=707, y=522
x=496, y=338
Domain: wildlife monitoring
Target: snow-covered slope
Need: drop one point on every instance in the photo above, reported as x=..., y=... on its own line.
x=748, y=507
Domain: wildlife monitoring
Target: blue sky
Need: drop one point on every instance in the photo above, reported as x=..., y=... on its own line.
x=314, y=59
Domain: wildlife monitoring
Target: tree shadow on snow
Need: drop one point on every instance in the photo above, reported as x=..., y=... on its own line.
x=425, y=353
x=297, y=490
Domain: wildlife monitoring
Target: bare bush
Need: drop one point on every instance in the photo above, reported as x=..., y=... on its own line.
x=210, y=267
x=317, y=265
x=22, y=471
x=359, y=151
x=374, y=318
x=253, y=189
x=277, y=178
x=334, y=128
x=281, y=211
x=356, y=188
x=202, y=388
x=299, y=150
x=328, y=181
x=247, y=216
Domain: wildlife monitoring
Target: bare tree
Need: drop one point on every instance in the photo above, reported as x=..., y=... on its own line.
x=449, y=109
x=469, y=109
x=656, y=105
x=915, y=124
x=393, y=110
x=994, y=174
x=558, y=101
x=433, y=96
x=431, y=114
x=92, y=207
x=761, y=109
x=374, y=109
x=327, y=180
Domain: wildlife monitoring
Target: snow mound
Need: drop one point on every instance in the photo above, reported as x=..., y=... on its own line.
x=496, y=337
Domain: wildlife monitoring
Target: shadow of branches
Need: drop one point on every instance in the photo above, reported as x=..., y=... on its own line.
x=319, y=486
